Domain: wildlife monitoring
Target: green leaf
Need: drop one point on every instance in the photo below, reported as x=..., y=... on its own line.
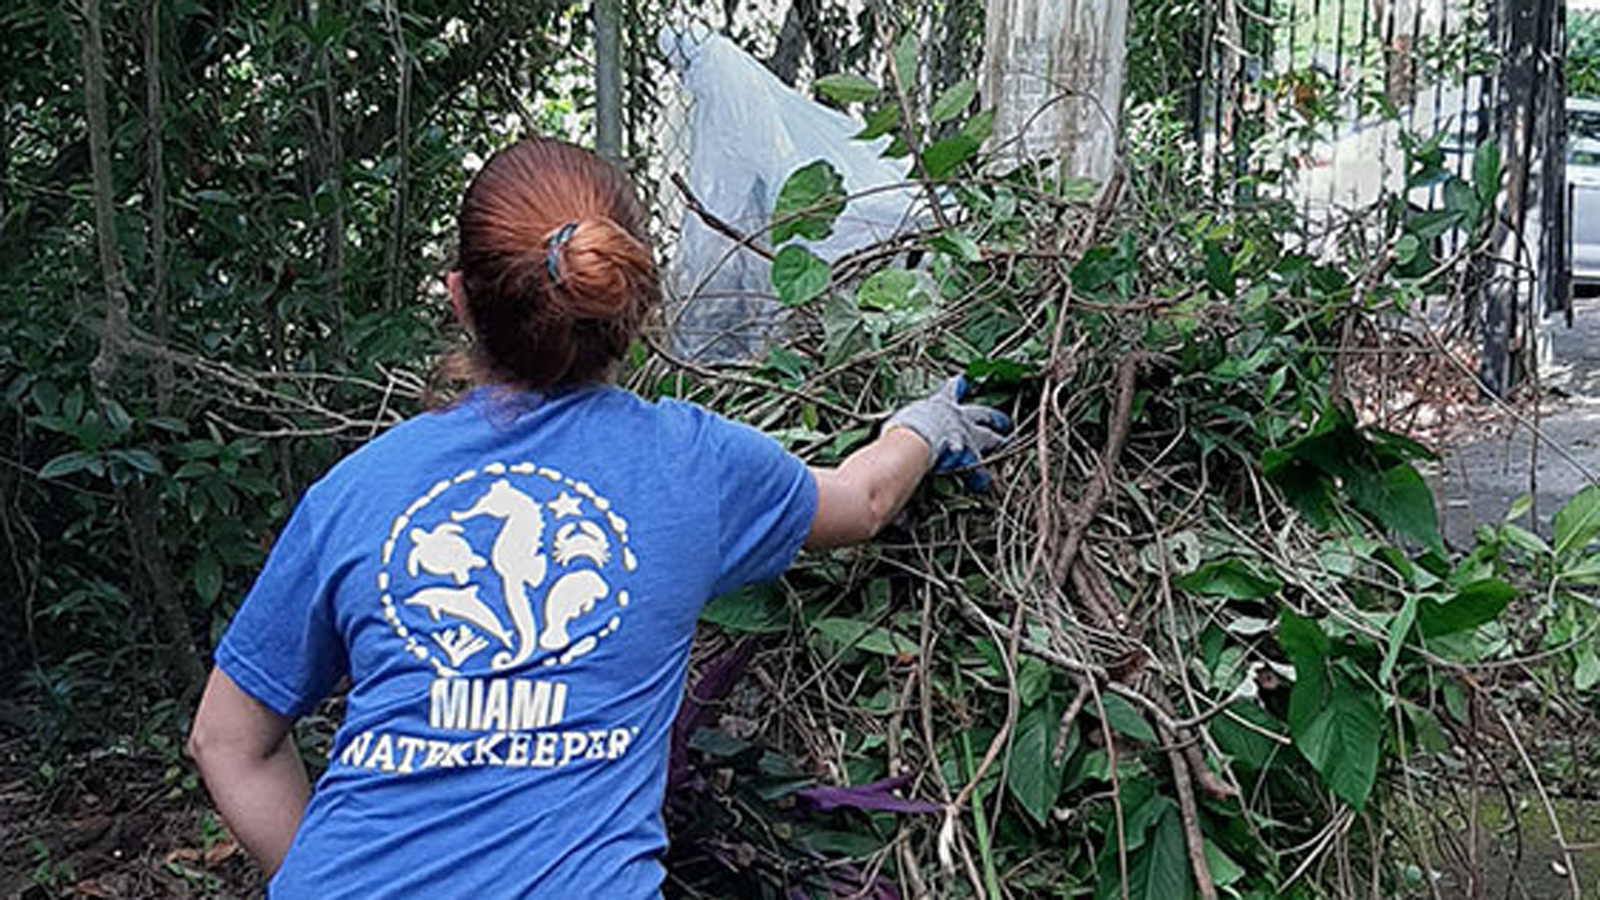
x=1527, y=541
x=1301, y=638
x=811, y=199
x=70, y=463
x=1113, y=266
x=1001, y=371
x=1397, y=637
x=891, y=290
x=1406, y=249
x=844, y=333
x=193, y=469
x=1158, y=857
x=1578, y=522
x=905, y=60
x=1306, y=645
x=207, y=577
x=1486, y=172
x=979, y=127
x=1343, y=739
x=1224, y=871
x=1249, y=746
x=757, y=609
x=1220, y=269
x=1431, y=225
x=864, y=636
x=1161, y=870
x=958, y=246
x=1231, y=578
x=1459, y=199
x=954, y=101
x=798, y=275
x=1402, y=502
x=945, y=156
x=1473, y=605
x=846, y=87
x=1033, y=680
x=880, y=122
x=143, y=460
x=1125, y=720
x=1586, y=674
x=1033, y=775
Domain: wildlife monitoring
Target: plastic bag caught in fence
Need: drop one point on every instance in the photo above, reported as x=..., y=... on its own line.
x=748, y=132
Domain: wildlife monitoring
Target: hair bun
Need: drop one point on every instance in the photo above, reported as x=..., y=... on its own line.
x=598, y=269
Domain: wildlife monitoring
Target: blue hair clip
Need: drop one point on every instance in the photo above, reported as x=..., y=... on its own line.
x=552, y=256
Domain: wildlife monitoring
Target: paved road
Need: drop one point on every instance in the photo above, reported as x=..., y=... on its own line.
x=1478, y=480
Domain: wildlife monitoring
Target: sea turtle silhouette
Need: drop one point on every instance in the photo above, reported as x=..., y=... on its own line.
x=443, y=551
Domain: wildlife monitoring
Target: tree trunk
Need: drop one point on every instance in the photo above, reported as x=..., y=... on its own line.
x=1399, y=81
x=791, y=44
x=5, y=152
x=182, y=657
x=397, y=282
x=325, y=170
x=156, y=176
x=1054, y=71
x=114, y=337
x=140, y=500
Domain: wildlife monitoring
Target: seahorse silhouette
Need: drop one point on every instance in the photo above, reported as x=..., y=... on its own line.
x=517, y=556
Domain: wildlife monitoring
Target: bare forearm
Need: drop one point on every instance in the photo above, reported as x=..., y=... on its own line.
x=261, y=798
x=860, y=496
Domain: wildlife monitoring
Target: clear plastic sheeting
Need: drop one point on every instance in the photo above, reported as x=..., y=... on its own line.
x=748, y=131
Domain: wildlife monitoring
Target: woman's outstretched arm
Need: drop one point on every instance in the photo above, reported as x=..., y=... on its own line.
x=938, y=433
x=855, y=500
x=246, y=755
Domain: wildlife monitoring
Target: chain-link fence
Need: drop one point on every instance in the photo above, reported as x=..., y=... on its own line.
x=722, y=314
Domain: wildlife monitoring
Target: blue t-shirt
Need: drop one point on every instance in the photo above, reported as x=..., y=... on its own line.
x=512, y=586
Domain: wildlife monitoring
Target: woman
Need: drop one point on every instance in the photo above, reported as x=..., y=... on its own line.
x=512, y=583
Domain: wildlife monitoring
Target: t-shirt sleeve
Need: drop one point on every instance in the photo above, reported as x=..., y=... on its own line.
x=283, y=646
x=766, y=500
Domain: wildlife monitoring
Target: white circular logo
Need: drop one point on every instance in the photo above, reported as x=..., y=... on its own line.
x=500, y=565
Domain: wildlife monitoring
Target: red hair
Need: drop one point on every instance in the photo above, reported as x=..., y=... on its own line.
x=555, y=263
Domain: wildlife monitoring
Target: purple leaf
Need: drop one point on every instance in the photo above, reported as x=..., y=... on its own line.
x=715, y=682
x=877, y=797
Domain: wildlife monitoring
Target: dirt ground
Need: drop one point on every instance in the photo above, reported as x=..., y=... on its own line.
x=111, y=824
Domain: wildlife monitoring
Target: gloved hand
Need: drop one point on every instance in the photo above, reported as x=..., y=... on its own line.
x=958, y=435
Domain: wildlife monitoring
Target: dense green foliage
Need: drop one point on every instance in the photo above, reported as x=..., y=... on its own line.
x=1583, y=54
x=276, y=314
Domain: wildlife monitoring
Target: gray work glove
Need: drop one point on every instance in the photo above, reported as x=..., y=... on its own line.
x=958, y=435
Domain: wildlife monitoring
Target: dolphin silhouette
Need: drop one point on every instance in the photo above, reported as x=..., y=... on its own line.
x=463, y=604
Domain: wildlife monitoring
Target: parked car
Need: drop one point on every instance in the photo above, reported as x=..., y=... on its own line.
x=1583, y=190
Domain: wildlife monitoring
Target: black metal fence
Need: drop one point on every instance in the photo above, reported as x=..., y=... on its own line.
x=1326, y=103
